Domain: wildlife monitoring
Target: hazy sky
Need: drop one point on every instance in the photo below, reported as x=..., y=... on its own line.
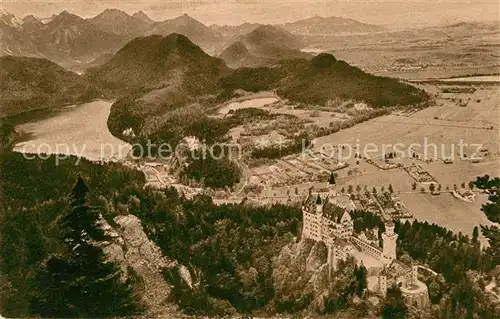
x=404, y=13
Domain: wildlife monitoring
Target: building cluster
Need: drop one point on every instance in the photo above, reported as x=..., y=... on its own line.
x=325, y=221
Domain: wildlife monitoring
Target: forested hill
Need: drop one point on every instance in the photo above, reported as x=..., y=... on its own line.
x=322, y=79
x=33, y=83
x=165, y=74
x=157, y=62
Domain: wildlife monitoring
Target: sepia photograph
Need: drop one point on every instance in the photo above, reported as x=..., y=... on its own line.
x=250, y=159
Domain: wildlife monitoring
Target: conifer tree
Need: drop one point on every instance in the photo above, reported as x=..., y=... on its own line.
x=394, y=306
x=361, y=280
x=80, y=282
x=475, y=234
x=331, y=180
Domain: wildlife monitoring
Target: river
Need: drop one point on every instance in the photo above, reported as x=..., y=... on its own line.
x=79, y=130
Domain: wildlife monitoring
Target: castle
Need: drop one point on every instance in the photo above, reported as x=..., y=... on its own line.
x=330, y=223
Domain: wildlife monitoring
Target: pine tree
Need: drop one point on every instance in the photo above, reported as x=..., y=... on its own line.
x=471, y=185
x=432, y=188
x=361, y=280
x=475, y=234
x=331, y=180
x=80, y=283
x=394, y=306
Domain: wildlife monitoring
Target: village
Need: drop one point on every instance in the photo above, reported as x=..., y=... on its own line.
x=425, y=182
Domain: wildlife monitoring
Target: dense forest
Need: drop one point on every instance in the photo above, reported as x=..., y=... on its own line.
x=35, y=256
x=297, y=145
x=7, y=136
x=229, y=247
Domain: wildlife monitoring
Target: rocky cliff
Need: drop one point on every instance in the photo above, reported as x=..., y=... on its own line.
x=134, y=252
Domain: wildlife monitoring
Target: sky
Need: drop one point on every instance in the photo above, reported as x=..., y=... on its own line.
x=390, y=13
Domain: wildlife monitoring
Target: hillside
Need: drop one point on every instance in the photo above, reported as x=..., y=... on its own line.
x=32, y=83
x=324, y=79
x=329, y=26
x=157, y=61
x=262, y=46
x=158, y=75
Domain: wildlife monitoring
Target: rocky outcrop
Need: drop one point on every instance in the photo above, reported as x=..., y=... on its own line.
x=131, y=248
x=300, y=269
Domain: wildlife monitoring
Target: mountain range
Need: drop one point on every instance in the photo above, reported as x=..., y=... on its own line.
x=76, y=43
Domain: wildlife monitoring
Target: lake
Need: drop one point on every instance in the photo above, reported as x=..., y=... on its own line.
x=79, y=130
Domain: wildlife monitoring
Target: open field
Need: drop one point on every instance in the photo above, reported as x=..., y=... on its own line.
x=486, y=78
x=447, y=211
x=445, y=125
x=237, y=105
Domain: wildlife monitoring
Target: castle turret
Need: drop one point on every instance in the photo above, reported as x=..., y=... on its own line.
x=389, y=239
x=319, y=205
x=414, y=274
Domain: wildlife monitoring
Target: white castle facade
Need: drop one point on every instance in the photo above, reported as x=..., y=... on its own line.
x=331, y=223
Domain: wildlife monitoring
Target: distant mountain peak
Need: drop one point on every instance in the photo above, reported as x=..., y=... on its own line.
x=112, y=13
x=30, y=17
x=66, y=16
x=318, y=25
x=10, y=19
x=186, y=18
x=114, y=10
x=31, y=20
x=266, y=44
x=142, y=16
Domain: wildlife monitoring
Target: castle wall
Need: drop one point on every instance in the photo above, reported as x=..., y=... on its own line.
x=312, y=226
x=416, y=295
x=367, y=248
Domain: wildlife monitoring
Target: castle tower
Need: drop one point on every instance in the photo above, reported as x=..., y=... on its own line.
x=389, y=239
x=414, y=274
x=382, y=283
